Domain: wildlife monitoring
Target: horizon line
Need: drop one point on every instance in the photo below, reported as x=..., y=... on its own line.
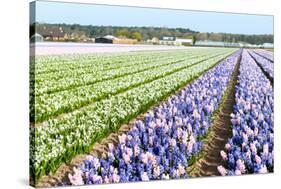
x=194, y=31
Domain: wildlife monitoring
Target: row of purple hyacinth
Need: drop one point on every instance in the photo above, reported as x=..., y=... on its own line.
x=264, y=63
x=250, y=150
x=266, y=54
x=161, y=146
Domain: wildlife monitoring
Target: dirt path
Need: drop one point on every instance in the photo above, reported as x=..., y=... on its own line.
x=218, y=136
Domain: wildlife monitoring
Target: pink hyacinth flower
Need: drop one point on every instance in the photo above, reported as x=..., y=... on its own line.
x=136, y=150
x=240, y=165
x=189, y=147
x=126, y=158
x=263, y=169
x=237, y=172
x=223, y=155
x=258, y=159
x=144, y=176
x=156, y=171
x=115, y=178
x=172, y=142
x=165, y=176
x=222, y=170
x=181, y=169
x=265, y=149
x=227, y=146
x=96, y=163
x=144, y=158
x=76, y=178
x=122, y=138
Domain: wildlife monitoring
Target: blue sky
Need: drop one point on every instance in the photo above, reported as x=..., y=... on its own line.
x=88, y=14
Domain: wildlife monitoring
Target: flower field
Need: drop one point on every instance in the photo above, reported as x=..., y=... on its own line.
x=250, y=150
x=78, y=100
x=265, y=63
x=265, y=54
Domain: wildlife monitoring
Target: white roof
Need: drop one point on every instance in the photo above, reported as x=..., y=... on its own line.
x=37, y=35
x=110, y=37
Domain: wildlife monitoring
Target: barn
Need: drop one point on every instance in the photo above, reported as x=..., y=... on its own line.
x=106, y=39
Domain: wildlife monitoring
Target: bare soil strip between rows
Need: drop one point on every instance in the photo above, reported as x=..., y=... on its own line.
x=100, y=149
x=220, y=131
x=264, y=72
x=62, y=115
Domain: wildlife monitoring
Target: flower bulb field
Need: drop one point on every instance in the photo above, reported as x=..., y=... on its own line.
x=131, y=116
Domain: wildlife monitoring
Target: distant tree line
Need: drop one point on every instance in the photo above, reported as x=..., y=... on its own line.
x=144, y=33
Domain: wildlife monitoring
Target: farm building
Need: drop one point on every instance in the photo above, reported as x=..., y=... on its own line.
x=185, y=42
x=105, y=39
x=167, y=40
x=267, y=45
x=36, y=38
x=154, y=41
x=170, y=40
